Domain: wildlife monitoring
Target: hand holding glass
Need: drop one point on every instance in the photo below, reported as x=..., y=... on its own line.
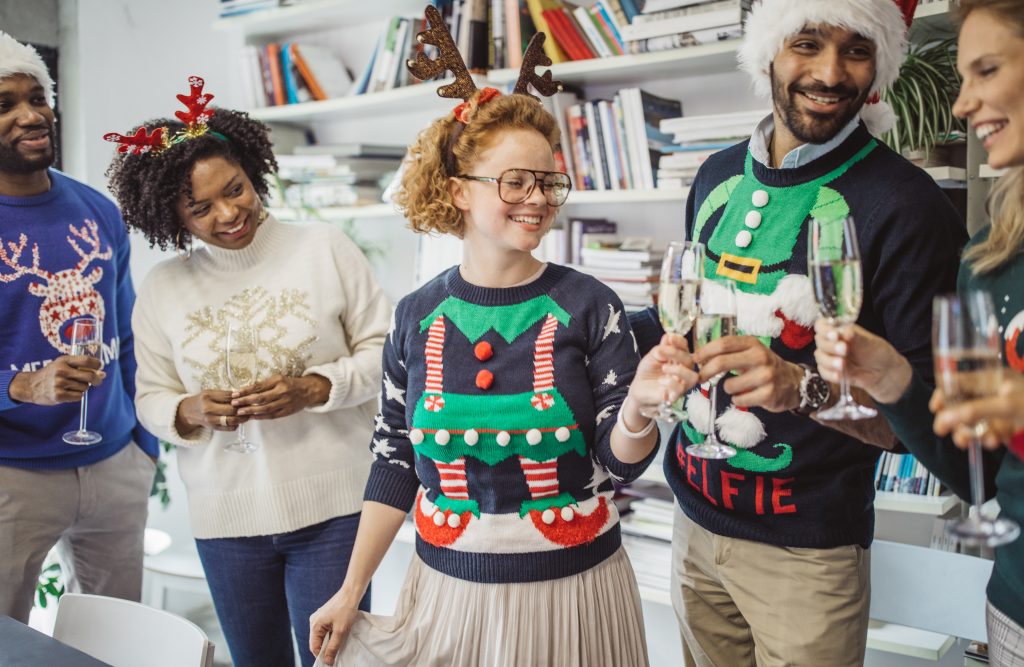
x=241, y=354
x=833, y=262
x=86, y=341
x=678, y=294
x=966, y=345
x=717, y=319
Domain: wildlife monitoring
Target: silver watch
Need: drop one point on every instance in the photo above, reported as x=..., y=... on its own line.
x=814, y=391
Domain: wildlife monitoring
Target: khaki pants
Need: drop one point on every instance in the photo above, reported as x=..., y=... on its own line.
x=741, y=603
x=94, y=514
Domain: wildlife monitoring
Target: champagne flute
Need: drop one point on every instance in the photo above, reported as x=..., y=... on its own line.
x=966, y=346
x=86, y=341
x=717, y=319
x=833, y=262
x=678, y=294
x=241, y=356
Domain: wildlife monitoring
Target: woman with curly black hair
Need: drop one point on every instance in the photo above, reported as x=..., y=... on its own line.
x=274, y=528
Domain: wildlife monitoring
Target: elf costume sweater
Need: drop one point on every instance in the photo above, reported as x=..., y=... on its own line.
x=64, y=254
x=495, y=426
x=1004, y=472
x=794, y=482
x=312, y=298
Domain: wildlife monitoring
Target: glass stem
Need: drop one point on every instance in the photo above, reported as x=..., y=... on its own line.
x=712, y=438
x=844, y=388
x=977, y=473
x=241, y=433
x=83, y=407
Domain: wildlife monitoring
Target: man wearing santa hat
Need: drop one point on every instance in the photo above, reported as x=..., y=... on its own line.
x=771, y=547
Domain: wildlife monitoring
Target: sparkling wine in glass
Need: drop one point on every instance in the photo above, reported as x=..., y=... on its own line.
x=678, y=300
x=717, y=319
x=86, y=341
x=966, y=345
x=833, y=262
x=241, y=354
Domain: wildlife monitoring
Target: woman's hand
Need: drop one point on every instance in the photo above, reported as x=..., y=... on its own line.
x=332, y=623
x=280, y=396
x=871, y=363
x=1002, y=415
x=664, y=374
x=207, y=409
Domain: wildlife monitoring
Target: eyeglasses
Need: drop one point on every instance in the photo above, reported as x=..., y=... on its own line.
x=516, y=185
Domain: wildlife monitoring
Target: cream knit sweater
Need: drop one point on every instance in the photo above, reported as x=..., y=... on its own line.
x=318, y=309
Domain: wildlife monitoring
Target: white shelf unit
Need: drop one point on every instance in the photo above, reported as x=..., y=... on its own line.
x=985, y=171
x=933, y=11
x=312, y=16
x=395, y=101
x=336, y=213
x=912, y=642
x=936, y=506
x=958, y=174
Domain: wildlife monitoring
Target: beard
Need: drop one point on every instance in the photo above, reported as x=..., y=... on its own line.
x=811, y=127
x=13, y=162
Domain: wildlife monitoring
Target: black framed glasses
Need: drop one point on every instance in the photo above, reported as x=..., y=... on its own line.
x=516, y=185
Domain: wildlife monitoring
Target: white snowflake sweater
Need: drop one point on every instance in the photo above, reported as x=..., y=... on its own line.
x=314, y=301
x=497, y=411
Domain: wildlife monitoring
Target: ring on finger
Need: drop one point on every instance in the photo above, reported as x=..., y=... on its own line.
x=224, y=420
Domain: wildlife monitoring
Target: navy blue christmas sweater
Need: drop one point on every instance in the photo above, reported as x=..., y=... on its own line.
x=495, y=426
x=64, y=254
x=795, y=482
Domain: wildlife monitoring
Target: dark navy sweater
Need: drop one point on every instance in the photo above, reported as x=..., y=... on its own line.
x=495, y=427
x=798, y=483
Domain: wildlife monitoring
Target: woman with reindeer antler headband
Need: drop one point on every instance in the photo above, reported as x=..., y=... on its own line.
x=274, y=527
x=506, y=412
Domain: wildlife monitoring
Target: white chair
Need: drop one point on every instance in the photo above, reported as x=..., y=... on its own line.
x=129, y=634
x=933, y=590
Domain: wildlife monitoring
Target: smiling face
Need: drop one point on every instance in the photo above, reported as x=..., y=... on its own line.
x=224, y=208
x=992, y=95
x=493, y=227
x=820, y=80
x=26, y=126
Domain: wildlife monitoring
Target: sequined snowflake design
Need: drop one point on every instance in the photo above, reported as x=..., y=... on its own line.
x=270, y=315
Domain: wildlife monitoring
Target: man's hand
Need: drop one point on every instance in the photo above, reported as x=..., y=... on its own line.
x=63, y=380
x=280, y=396
x=764, y=379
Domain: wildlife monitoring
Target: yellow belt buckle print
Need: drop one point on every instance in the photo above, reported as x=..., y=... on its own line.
x=741, y=269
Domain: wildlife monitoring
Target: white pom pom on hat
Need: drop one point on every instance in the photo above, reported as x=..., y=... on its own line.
x=884, y=22
x=18, y=58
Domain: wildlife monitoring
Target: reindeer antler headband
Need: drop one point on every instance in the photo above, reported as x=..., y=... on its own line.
x=195, y=120
x=464, y=87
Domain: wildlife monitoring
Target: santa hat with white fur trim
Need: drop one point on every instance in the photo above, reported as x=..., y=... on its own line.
x=18, y=58
x=885, y=22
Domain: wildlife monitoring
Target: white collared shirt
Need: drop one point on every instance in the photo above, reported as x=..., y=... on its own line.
x=799, y=156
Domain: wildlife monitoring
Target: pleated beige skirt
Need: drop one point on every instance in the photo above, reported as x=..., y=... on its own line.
x=592, y=619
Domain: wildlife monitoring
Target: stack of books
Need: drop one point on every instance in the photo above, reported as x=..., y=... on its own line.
x=612, y=144
x=668, y=24
x=902, y=473
x=696, y=138
x=289, y=73
x=327, y=175
x=630, y=267
x=647, y=532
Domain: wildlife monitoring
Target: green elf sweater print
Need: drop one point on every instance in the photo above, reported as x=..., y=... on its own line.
x=1004, y=471
x=795, y=482
x=495, y=424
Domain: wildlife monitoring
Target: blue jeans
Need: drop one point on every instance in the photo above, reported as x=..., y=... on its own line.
x=265, y=587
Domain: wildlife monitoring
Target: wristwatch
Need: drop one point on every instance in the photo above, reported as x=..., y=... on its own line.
x=814, y=391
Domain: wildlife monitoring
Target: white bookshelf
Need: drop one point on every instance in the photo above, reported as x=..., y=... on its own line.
x=394, y=101
x=915, y=504
x=958, y=174
x=911, y=642
x=586, y=197
x=985, y=171
x=312, y=16
x=933, y=12
x=712, y=58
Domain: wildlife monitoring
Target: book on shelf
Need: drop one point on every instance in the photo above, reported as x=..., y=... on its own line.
x=903, y=473
x=616, y=258
x=290, y=73
x=578, y=228
x=702, y=16
x=229, y=8
x=323, y=72
x=685, y=39
x=354, y=150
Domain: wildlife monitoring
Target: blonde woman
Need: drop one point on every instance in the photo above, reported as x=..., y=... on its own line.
x=991, y=55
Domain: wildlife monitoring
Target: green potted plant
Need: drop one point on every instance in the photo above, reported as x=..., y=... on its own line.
x=922, y=99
